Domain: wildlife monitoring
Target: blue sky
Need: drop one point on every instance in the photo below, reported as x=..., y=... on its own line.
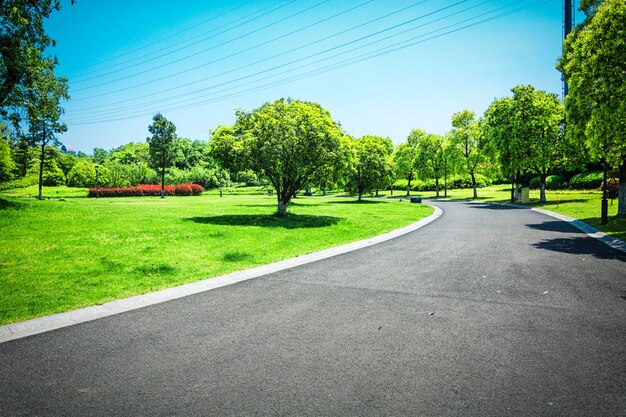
x=380, y=67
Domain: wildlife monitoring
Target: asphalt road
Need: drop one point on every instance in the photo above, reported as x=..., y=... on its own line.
x=489, y=311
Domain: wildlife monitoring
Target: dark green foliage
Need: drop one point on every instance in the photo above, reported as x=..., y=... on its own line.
x=586, y=180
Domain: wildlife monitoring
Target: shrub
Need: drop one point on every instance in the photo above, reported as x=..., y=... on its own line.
x=586, y=180
x=27, y=181
x=53, y=176
x=82, y=174
x=248, y=177
x=147, y=190
x=554, y=182
x=535, y=182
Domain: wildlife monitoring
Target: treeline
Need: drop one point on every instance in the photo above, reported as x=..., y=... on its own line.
x=519, y=140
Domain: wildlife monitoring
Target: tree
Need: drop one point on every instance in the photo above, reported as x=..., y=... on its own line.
x=593, y=65
x=372, y=163
x=99, y=155
x=23, y=43
x=430, y=161
x=7, y=166
x=404, y=160
x=465, y=135
x=43, y=110
x=287, y=141
x=22, y=156
x=162, y=146
x=526, y=132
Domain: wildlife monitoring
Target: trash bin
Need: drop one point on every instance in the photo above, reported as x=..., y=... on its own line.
x=416, y=199
x=525, y=199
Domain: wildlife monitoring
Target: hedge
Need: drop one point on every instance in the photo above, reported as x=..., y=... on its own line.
x=586, y=180
x=147, y=190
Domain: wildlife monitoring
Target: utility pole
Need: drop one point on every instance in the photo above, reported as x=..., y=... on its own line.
x=568, y=24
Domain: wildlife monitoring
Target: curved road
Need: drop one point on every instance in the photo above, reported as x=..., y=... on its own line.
x=489, y=311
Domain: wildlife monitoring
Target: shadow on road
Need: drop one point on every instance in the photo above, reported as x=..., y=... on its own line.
x=292, y=221
x=554, y=226
x=581, y=246
x=492, y=206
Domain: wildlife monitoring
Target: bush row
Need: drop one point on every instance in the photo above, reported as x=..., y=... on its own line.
x=452, y=183
x=147, y=190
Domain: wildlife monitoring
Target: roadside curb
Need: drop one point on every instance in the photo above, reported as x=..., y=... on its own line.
x=590, y=231
x=56, y=321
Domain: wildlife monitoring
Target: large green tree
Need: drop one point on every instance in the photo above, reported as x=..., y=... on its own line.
x=404, y=161
x=162, y=146
x=372, y=163
x=430, y=158
x=594, y=66
x=288, y=142
x=525, y=131
x=466, y=136
x=23, y=45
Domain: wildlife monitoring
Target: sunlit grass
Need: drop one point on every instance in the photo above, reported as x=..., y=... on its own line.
x=66, y=253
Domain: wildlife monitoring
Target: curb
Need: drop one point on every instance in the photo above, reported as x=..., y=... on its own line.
x=590, y=231
x=56, y=321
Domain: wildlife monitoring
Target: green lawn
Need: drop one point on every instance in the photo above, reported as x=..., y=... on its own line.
x=583, y=205
x=66, y=253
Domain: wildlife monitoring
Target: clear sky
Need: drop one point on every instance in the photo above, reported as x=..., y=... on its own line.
x=380, y=67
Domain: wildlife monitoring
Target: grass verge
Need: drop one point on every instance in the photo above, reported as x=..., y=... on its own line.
x=61, y=254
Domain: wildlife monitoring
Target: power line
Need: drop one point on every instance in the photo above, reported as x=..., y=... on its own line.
x=313, y=55
x=191, y=44
x=173, y=35
x=245, y=66
x=350, y=61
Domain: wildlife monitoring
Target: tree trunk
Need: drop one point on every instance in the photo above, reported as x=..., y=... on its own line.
x=41, y=162
x=474, y=184
x=437, y=186
x=542, y=189
x=621, y=196
x=408, y=188
x=376, y=191
x=282, y=207
x=163, y=182
x=512, y=192
x=323, y=190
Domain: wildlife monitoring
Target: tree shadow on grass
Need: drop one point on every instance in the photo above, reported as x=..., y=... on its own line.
x=581, y=246
x=291, y=221
x=10, y=205
x=357, y=202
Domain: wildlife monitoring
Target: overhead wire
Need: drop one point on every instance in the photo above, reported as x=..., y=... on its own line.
x=350, y=61
x=174, y=35
x=196, y=53
x=313, y=55
x=250, y=64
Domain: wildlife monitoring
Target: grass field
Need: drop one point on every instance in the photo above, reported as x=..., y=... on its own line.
x=66, y=253
x=581, y=205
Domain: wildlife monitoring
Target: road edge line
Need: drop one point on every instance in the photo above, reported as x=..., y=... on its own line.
x=38, y=325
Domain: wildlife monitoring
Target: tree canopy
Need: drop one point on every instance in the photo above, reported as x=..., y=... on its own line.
x=593, y=65
x=290, y=142
x=372, y=163
x=526, y=132
x=162, y=145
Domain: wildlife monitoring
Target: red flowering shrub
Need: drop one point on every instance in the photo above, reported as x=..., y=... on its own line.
x=148, y=190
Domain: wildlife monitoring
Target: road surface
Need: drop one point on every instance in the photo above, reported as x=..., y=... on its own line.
x=489, y=311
